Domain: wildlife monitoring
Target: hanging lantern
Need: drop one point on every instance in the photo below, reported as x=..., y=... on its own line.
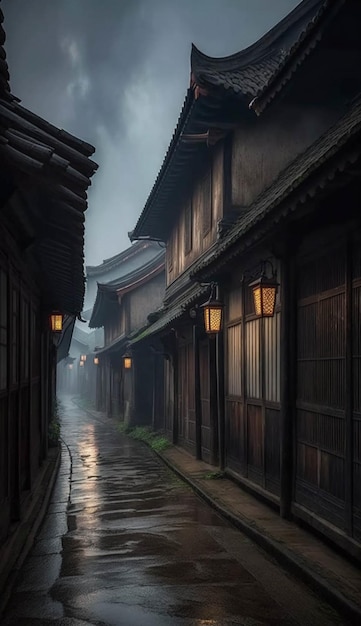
x=213, y=314
x=56, y=322
x=70, y=366
x=127, y=361
x=264, y=295
x=96, y=360
x=81, y=363
x=83, y=357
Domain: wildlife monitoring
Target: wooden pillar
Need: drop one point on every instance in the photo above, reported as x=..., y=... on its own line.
x=348, y=392
x=213, y=400
x=220, y=399
x=154, y=392
x=197, y=392
x=244, y=375
x=288, y=378
x=175, y=391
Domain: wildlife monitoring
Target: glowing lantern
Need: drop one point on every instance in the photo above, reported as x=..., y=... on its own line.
x=127, y=361
x=264, y=295
x=56, y=322
x=213, y=314
x=96, y=360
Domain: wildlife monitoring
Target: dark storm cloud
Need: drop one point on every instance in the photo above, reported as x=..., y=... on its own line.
x=115, y=73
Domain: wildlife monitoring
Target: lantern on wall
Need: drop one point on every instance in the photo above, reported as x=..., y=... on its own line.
x=264, y=293
x=81, y=363
x=70, y=366
x=83, y=358
x=96, y=360
x=127, y=360
x=213, y=314
x=56, y=322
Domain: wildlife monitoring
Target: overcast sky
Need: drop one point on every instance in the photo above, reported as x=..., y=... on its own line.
x=115, y=73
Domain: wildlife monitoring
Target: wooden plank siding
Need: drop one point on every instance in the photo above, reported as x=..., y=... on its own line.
x=168, y=397
x=205, y=391
x=328, y=411
x=24, y=388
x=186, y=394
x=201, y=209
x=252, y=392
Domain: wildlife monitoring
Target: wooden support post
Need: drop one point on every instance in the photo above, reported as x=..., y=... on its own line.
x=349, y=392
x=288, y=367
x=197, y=393
x=175, y=391
x=154, y=393
x=220, y=399
x=213, y=401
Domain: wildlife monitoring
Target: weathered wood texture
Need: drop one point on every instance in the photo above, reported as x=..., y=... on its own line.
x=168, y=397
x=144, y=300
x=26, y=367
x=196, y=228
x=252, y=392
x=328, y=397
x=261, y=150
x=186, y=394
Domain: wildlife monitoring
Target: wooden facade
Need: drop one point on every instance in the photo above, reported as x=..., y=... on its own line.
x=44, y=176
x=121, y=308
x=274, y=401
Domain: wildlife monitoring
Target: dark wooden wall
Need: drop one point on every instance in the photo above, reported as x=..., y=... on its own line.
x=186, y=391
x=27, y=364
x=328, y=411
x=252, y=404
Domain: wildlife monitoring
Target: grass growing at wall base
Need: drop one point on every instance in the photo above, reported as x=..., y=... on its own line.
x=143, y=433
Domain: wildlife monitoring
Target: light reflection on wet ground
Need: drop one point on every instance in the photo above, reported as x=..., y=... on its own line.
x=126, y=543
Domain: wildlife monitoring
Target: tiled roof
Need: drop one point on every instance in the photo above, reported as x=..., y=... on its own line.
x=249, y=72
x=4, y=70
x=311, y=171
x=245, y=74
x=52, y=169
x=107, y=293
x=155, y=218
x=131, y=256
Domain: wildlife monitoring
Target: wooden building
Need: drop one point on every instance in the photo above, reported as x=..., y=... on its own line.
x=263, y=174
x=44, y=176
x=121, y=307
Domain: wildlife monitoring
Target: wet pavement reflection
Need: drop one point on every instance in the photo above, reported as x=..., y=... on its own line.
x=126, y=543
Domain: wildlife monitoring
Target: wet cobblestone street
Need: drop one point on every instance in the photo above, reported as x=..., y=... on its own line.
x=125, y=542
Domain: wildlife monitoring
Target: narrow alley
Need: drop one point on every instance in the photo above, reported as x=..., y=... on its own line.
x=125, y=542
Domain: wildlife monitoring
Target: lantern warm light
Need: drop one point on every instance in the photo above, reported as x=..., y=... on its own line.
x=70, y=366
x=127, y=360
x=83, y=357
x=213, y=314
x=81, y=363
x=56, y=322
x=96, y=360
x=264, y=295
